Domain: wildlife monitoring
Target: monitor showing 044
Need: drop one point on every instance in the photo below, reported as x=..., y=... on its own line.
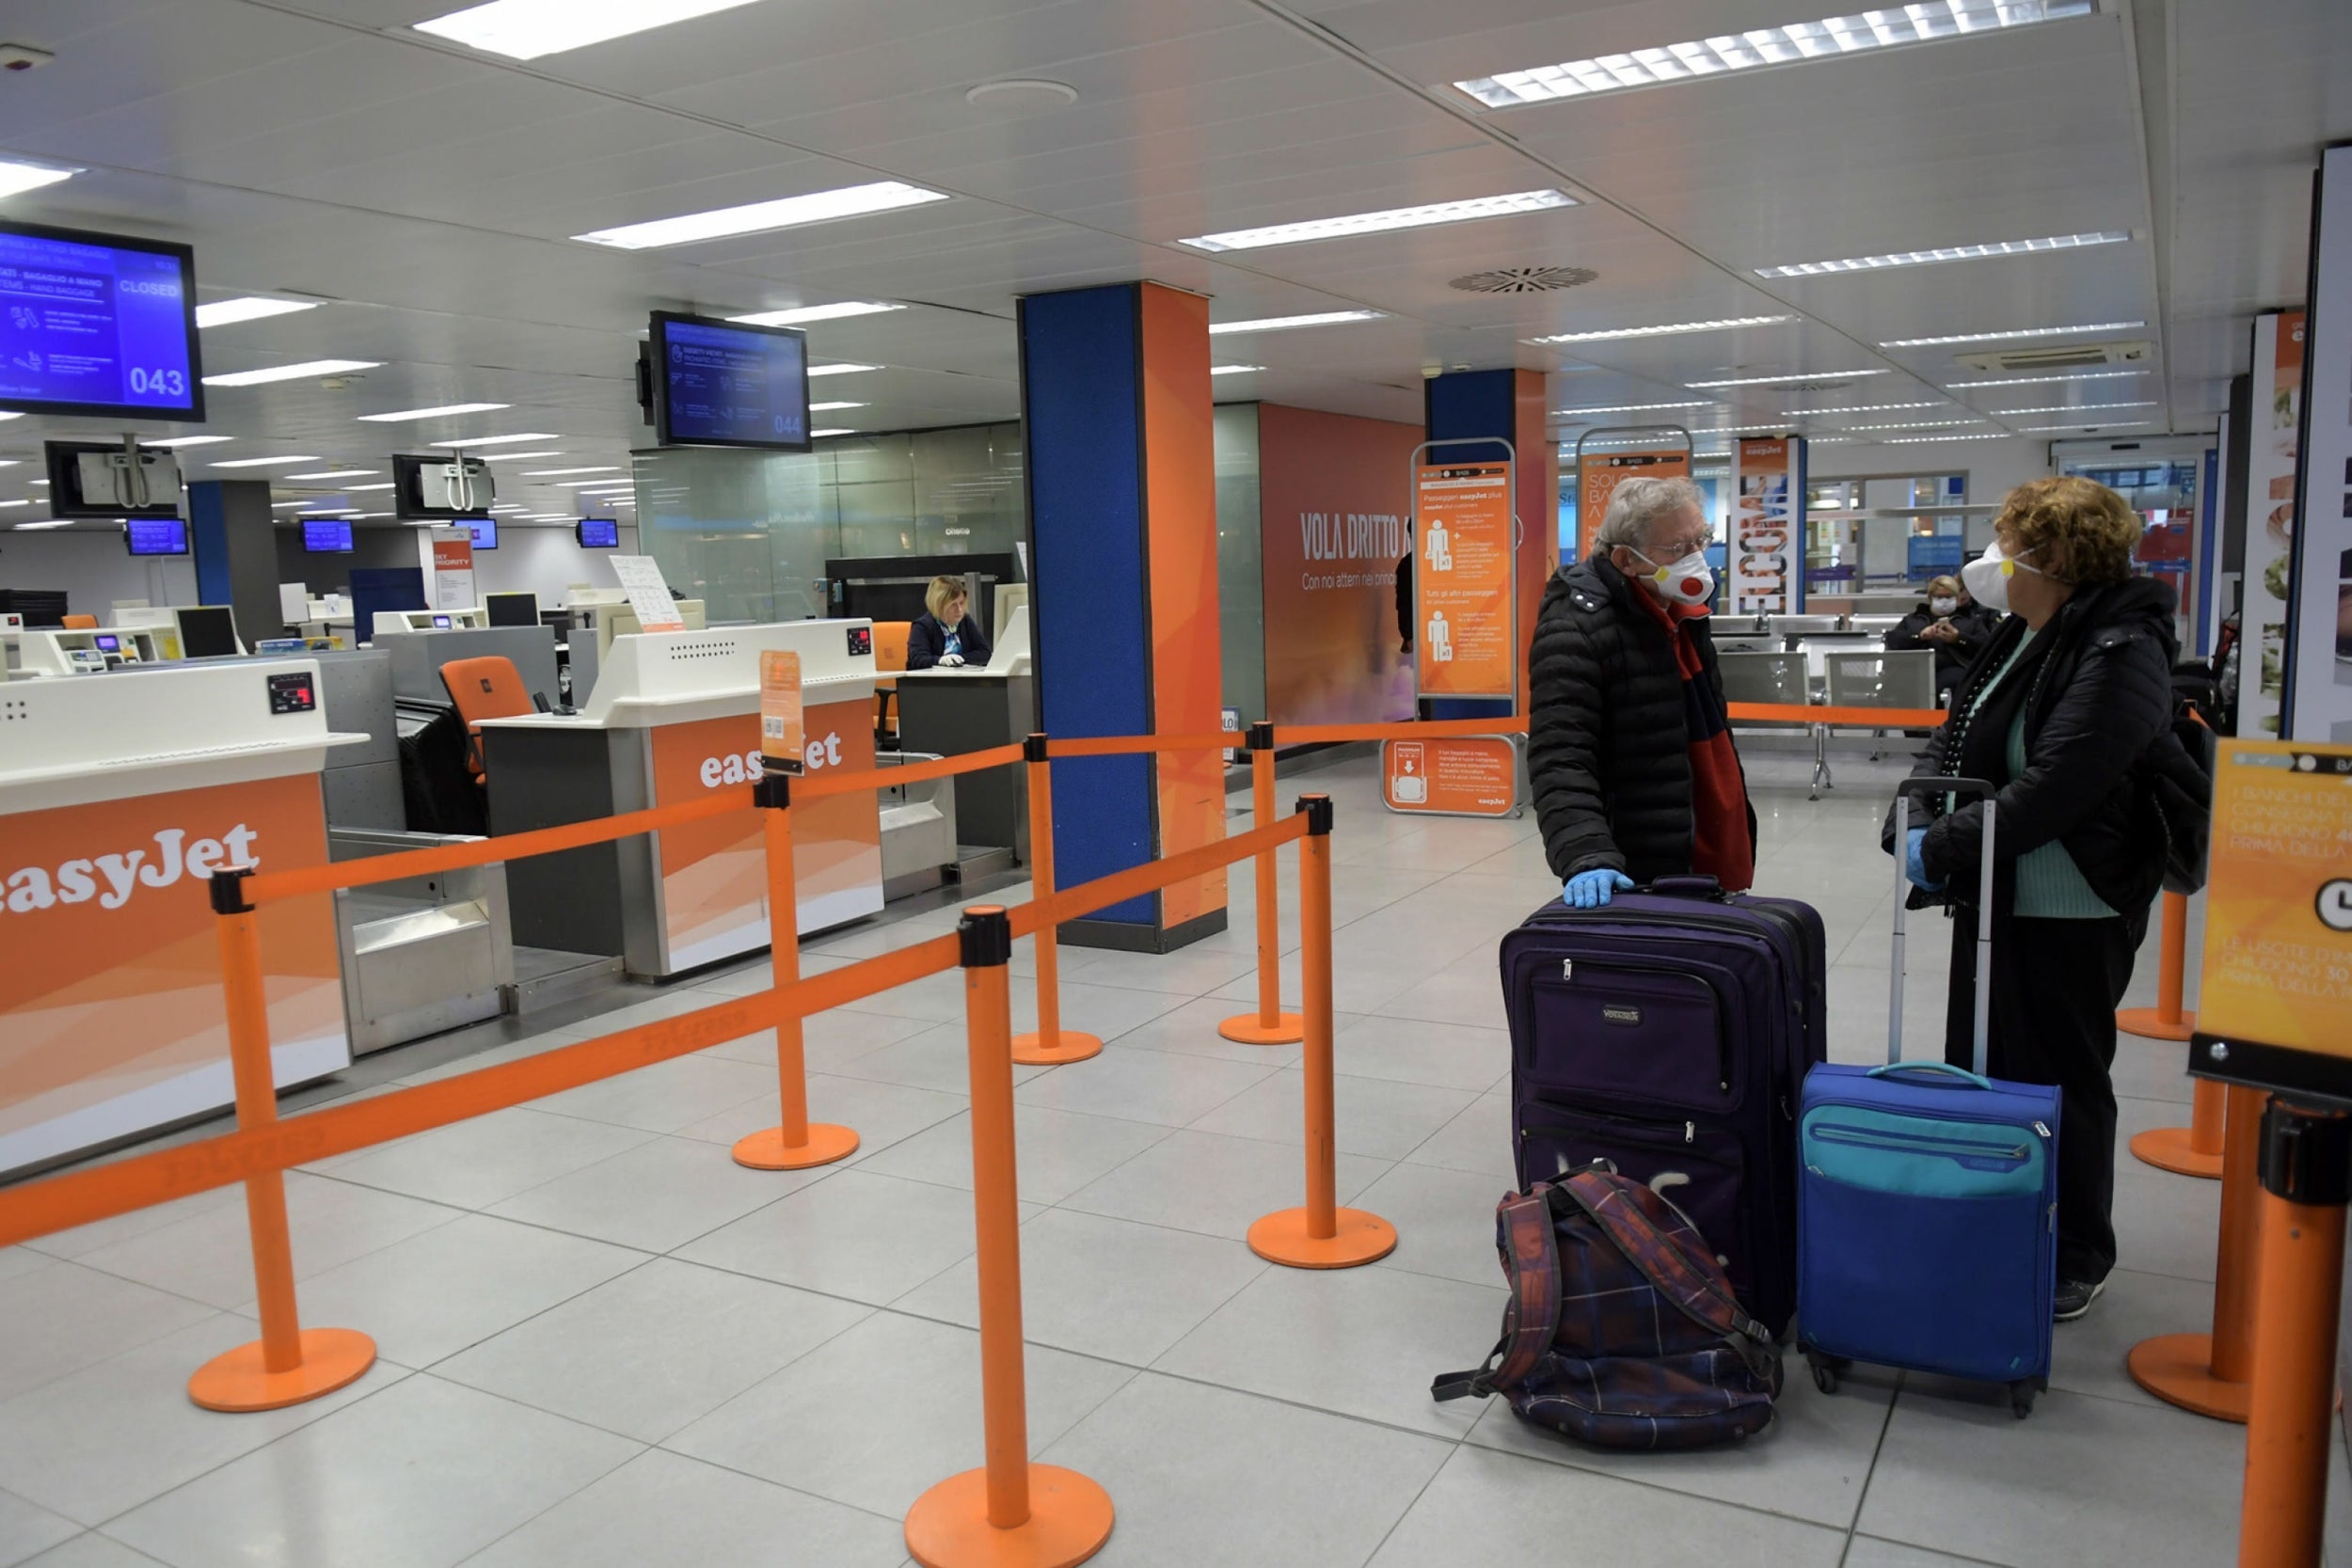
x=719, y=385
x=96, y=323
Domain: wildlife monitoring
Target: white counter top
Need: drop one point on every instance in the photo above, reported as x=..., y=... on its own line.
x=655, y=678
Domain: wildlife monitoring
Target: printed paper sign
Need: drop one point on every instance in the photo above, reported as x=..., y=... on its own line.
x=2318, y=656
x=448, y=559
x=2272, y=448
x=1462, y=571
x=1601, y=473
x=1455, y=776
x=781, y=739
x=1767, y=542
x=2279, y=899
x=648, y=595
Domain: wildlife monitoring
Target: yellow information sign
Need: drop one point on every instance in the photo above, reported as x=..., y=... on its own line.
x=2278, y=965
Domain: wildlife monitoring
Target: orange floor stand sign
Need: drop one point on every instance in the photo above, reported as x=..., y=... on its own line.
x=1049, y=1044
x=2208, y=1373
x=1269, y=1024
x=1465, y=565
x=1451, y=776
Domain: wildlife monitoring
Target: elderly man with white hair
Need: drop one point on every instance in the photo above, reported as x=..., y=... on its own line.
x=1628, y=744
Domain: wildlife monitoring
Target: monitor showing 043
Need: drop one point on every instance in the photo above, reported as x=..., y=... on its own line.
x=716, y=384
x=98, y=324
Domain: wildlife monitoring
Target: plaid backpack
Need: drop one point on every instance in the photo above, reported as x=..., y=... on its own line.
x=1622, y=1328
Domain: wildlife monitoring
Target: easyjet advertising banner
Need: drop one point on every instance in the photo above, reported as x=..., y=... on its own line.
x=1333, y=493
x=2278, y=897
x=1463, y=558
x=1451, y=776
x=714, y=873
x=1599, y=474
x=111, y=1014
x=1767, y=543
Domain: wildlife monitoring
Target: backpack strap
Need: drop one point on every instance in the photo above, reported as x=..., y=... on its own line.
x=1532, y=1316
x=1668, y=1269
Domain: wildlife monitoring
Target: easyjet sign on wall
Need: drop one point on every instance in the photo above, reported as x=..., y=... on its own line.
x=112, y=879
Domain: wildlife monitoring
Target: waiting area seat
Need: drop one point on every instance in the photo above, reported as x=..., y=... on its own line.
x=78, y=623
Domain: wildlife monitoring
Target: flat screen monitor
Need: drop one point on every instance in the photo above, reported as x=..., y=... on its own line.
x=718, y=384
x=206, y=631
x=512, y=610
x=156, y=536
x=485, y=532
x=326, y=536
x=600, y=533
x=98, y=324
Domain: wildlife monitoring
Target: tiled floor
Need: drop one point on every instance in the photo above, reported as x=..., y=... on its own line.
x=604, y=1343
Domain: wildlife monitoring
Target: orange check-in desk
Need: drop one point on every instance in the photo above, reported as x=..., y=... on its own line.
x=120, y=795
x=673, y=715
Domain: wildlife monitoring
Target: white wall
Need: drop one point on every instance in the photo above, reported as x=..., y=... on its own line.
x=1994, y=467
x=546, y=561
x=93, y=569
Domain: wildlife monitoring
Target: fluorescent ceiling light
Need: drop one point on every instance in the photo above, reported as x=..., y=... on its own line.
x=289, y=506
x=1793, y=44
x=1284, y=324
x=440, y=412
x=1633, y=408
x=321, y=511
x=761, y=217
x=2070, y=408
x=16, y=177
x=526, y=30
x=844, y=369
x=335, y=473
x=1863, y=408
x=291, y=373
x=1916, y=424
x=16, y=503
x=515, y=456
x=251, y=308
x=1726, y=324
x=803, y=314
x=262, y=462
x=827, y=407
x=18, y=414
x=2044, y=380
x=1235, y=370
x=592, y=469
x=189, y=441
x=2014, y=333
x=53, y=522
x=1946, y=253
x=1924, y=440
x=2052, y=429
x=596, y=484
x=1376, y=223
x=1780, y=380
x=499, y=440
x=816, y=432
x=355, y=489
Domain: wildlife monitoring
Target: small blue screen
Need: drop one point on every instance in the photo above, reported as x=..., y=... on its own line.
x=95, y=327
x=485, y=532
x=732, y=385
x=327, y=537
x=600, y=533
x=157, y=536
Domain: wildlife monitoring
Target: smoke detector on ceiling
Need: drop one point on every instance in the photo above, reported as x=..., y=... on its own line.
x=1523, y=280
x=2070, y=356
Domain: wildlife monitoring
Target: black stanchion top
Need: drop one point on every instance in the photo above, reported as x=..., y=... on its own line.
x=1261, y=735
x=229, y=890
x=1033, y=748
x=773, y=791
x=1318, y=809
x=984, y=937
x=2307, y=1154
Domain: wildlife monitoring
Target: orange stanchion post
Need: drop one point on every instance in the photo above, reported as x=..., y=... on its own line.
x=1050, y=1044
x=288, y=1363
x=2166, y=1020
x=1010, y=1512
x=2306, y=1182
x=1322, y=1235
x=2194, y=1150
x=2209, y=1373
x=1269, y=1024
x=795, y=1142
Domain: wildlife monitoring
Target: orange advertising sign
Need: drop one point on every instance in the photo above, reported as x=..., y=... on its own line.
x=782, y=733
x=1766, y=527
x=2278, y=966
x=1464, y=552
x=1451, y=776
x=1599, y=474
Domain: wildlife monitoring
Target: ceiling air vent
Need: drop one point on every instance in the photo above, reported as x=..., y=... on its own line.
x=2070, y=357
x=1523, y=280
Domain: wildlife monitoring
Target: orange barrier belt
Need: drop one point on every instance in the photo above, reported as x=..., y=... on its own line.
x=818, y=787
x=1069, y=903
x=1867, y=718
x=1432, y=729
x=1127, y=745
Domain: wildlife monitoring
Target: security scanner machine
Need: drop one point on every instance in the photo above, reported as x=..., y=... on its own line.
x=119, y=796
x=672, y=716
x=951, y=712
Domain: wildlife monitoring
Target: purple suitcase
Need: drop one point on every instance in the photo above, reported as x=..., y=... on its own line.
x=1669, y=1034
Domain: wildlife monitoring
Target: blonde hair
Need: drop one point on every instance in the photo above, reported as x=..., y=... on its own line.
x=941, y=593
x=2077, y=530
x=1947, y=585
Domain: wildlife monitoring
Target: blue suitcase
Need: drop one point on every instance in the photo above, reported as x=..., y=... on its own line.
x=1927, y=1208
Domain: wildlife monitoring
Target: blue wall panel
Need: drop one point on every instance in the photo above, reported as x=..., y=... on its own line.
x=208, y=540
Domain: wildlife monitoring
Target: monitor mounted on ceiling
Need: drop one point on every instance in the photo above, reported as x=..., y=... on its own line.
x=326, y=536
x=600, y=533
x=440, y=488
x=722, y=383
x=156, y=536
x=98, y=324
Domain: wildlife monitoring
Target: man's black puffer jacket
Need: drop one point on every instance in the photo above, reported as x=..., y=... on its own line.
x=1608, y=747
x=2097, y=693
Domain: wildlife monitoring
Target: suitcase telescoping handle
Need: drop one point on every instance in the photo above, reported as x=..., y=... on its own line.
x=1961, y=788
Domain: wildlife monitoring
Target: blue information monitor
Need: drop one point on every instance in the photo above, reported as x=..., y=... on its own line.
x=326, y=536
x=600, y=533
x=156, y=536
x=96, y=323
x=719, y=385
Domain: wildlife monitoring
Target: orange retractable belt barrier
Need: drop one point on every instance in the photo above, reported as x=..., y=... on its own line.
x=823, y=785
x=1414, y=729
x=1049, y=1044
x=794, y=1143
x=1269, y=1024
x=2208, y=1373
x=1129, y=745
x=1859, y=717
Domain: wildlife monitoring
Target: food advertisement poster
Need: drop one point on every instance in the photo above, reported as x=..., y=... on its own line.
x=1465, y=643
x=1766, y=527
x=2318, y=652
x=2272, y=450
x=2278, y=966
x=1599, y=474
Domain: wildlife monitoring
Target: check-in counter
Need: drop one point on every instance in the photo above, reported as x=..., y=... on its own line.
x=673, y=715
x=120, y=795
x=972, y=708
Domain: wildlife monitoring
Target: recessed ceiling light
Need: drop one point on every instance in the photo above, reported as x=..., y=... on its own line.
x=1916, y=424
x=801, y=315
x=189, y=441
x=526, y=30
x=1284, y=324
x=2016, y=332
x=16, y=177
x=1235, y=370
x=1793, y=44
x=1021, y=92
x=1666, y=330
x=499, y=440
x=1376, y=223
x=840, y=369
x=2069, y=408
x=592, y=469
x=1924, y=440
x=761, y=217
x=261, y=461
x=2053, y=429
x=291, y=373
x=1781, y=380
x=827, y=407
x=1946, y=253
x=1864, y=408
x=817, y=433
x=2043, y=380
x=442, y=411
x=1633, y=408
x=334, y=474
x=251, y=308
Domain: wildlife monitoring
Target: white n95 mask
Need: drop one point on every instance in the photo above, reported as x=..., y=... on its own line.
x=1987, y=577
x=1688, y=580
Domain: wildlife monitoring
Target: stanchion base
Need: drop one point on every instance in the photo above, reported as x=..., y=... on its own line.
x=1282, y=1238
x=1070, y=1518
x=767, y=1149
x=1069, y=1045
x=236, y=1381
x=2178, y=1370
x=2149, y=1024
x=1246, y=1029
x=2168, y=1149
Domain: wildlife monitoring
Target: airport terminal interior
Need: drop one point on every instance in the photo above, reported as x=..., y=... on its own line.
x=543, y=541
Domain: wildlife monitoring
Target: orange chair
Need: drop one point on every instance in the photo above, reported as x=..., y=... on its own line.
x=890, y=653
x=89, y=622
x=482, y=689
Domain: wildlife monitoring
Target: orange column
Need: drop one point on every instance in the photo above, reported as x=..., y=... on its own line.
x=1050, y=1045
x=1269, y=1024
x=1009, y=1513
x=288, y=1363
x=1321, y=1234
x=2208, y=1373
x=794, y=1143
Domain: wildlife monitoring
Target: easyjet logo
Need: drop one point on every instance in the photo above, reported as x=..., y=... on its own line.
x=746, y=767
x=113, y=879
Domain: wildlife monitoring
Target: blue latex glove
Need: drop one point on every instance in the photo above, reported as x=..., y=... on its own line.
x=1914, y=866
x=1590, y=890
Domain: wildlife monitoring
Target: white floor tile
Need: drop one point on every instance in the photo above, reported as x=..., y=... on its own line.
x=92, y=1551
x=658, y=1196
x=1478, y=1140
x=66, y=1316
x=823, y=1237
x=666, y=1095
x=880, y=1113
x=26, y=1530
x=1218, y=1186
x=1057, y=1151
x=1414, y=1049
x=474, y=1164
x=1157, y=1086
x=1371, y=1117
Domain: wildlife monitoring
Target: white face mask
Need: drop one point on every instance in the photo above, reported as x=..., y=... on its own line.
x=1688, y=580
x=1943, y=607
x=1987, y=577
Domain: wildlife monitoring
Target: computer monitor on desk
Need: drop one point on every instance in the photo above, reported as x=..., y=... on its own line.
x=512, y=610
x=207, y=631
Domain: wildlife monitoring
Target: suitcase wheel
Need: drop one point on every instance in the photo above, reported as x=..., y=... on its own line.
x=2021, y=1399
x=1825, y=1370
